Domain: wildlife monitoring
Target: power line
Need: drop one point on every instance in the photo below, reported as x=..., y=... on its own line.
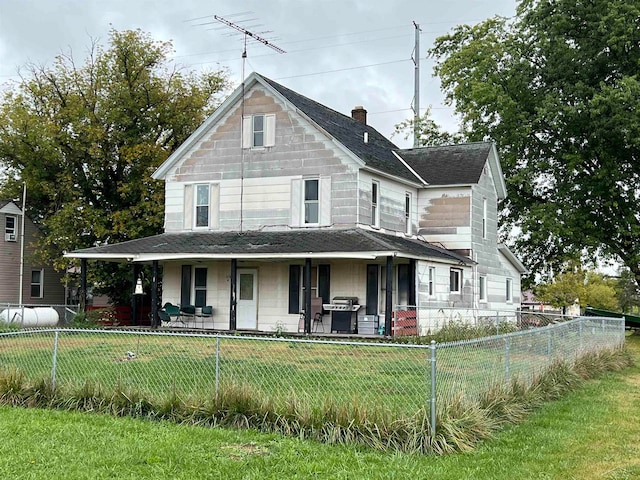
x=344, y=69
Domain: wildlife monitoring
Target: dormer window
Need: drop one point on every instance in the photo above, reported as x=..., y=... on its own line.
x=259, y=131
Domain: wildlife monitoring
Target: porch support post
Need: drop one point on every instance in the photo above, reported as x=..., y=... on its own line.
x=83, y=285
x=388, y=304
x=232, y=292
x=154, y=294
x=307, y=295
x=135, y=301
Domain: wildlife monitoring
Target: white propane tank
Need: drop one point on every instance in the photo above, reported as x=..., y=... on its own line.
x=33, y=317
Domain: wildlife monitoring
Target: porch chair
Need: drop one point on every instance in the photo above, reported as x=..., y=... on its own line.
x=173, y=311
x=188, y=311
x=316, y=314
x=205, y=312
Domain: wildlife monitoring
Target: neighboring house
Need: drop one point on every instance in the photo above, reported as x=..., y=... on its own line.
x=41, y=285
x=276, y=200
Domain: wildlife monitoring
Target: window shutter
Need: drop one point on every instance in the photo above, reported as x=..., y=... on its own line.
x=294, y=288
x=325, y=201
x=247, y=130
x=214, y=206
x=188, y=207
x=296, y=202
x=270, y=130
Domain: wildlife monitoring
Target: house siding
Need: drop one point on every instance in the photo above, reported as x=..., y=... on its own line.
x=53, y=289
x=444, y=216
x=261, y=179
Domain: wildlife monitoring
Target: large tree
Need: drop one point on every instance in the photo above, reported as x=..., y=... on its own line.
x=557, y=88
x=86, y=138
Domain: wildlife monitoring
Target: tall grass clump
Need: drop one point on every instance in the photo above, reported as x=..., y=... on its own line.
x=462, y=422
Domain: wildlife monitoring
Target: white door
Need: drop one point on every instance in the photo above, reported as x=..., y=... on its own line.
x=247, y=307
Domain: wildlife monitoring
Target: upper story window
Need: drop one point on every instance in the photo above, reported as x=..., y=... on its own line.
x=202, y=205
x=455, y=280
x=375, y=198
x=484, y=218
x=311, y=201
x=10, y=229
x=407, y=214
x=37, y=277
x=482, y=288
x=259, y=131
x=509, y=290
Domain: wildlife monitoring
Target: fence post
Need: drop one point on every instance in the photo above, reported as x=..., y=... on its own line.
x=580, y=326
x=506, y=360
x=432, y=347
x=497, y=322
x=55, y=361
x=549, y=342
x=217, y=366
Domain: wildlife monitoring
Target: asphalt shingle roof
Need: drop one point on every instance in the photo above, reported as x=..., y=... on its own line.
x=377, y=153
x=290, y=242
x=448, y=165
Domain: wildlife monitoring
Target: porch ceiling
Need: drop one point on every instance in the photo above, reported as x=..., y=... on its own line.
x=355, y=243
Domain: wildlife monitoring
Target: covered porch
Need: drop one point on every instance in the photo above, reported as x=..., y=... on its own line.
x=281, y=281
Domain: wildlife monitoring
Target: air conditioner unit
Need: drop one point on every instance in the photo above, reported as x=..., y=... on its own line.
x=9, y=237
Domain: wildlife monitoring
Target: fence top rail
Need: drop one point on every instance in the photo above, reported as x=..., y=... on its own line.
x=520, y=333
x=229, y=336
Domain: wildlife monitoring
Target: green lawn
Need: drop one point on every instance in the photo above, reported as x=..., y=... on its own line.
x=593, y=433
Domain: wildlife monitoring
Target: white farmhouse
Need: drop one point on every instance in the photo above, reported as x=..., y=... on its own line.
x=279, y=205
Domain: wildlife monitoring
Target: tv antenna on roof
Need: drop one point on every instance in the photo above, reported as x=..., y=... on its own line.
x=247, y=33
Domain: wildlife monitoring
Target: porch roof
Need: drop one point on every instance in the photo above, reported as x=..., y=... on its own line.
x=291, y=244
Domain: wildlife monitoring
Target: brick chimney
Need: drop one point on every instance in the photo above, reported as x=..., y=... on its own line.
x=359, y=113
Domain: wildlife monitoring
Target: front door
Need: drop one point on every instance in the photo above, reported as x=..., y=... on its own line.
x=247, y=307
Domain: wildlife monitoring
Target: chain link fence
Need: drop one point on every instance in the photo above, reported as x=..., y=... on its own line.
x=399, y=378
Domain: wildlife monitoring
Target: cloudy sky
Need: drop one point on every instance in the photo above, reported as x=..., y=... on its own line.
x=341, y=53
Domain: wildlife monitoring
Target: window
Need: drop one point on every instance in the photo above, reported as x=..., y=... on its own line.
x=375, y=212
x=482, y=288
x=10, y=229
x=200, y=287
x=407, y=213
x=432, y=281
x=36, y=283
x=311, y=201
x=484, y=218
x=202, y=206
x=509, y=290
x=455, y=280
x=258, y=131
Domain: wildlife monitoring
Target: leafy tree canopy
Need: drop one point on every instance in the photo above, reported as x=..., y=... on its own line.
x=557, y=88
x=588, y=288
x=86, y=138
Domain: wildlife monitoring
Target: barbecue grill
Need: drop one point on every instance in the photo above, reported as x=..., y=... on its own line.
x=342, y=314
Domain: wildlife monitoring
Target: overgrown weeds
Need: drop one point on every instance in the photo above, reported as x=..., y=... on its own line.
x=461, y=423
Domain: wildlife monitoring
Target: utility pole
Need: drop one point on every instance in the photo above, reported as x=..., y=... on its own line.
x=21, y=284
x=416, y=81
